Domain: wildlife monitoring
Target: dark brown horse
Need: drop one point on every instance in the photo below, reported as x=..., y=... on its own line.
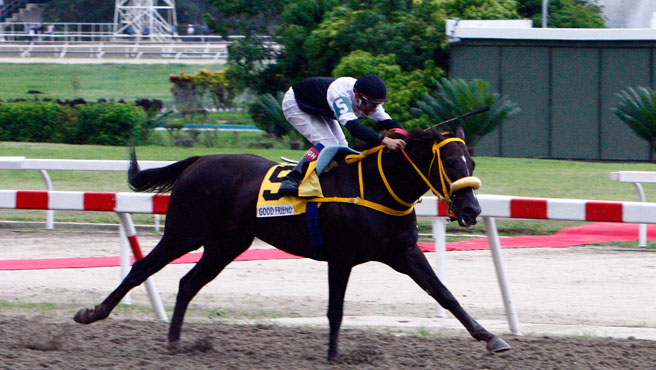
x=213, y=204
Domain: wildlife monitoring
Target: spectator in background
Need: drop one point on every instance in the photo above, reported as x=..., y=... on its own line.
x=39, y=31
x=191, y=30
x=29, y=30
x=50, y=31
x=205, y=30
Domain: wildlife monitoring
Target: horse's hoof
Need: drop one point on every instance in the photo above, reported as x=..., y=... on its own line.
x=497, y=345
x=82, y=316
x=332, y=356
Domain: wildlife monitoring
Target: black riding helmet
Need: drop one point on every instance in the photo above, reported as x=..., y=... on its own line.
x=371, y=88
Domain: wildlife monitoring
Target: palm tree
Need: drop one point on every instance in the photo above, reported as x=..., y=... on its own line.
x=455, y=97
x=637, y=108
x=266, y=112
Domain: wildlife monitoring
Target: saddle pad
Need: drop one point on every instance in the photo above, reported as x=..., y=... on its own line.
x=272, y=204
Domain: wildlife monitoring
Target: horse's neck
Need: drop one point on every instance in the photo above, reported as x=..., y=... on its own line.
x=401, y=177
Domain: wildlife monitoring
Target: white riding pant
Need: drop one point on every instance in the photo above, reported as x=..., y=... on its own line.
x=316, y=129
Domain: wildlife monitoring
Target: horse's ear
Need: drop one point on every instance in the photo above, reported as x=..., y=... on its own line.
x=436, y=134
x=460, y=132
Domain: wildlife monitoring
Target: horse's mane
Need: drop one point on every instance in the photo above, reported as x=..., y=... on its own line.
x=420, y=135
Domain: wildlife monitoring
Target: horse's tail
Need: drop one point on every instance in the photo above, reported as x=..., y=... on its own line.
x=155, y=179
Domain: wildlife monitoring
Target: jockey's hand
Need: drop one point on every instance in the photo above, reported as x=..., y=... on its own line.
x=393, y=144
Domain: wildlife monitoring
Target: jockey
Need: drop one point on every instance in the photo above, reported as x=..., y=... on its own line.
x=317, y=106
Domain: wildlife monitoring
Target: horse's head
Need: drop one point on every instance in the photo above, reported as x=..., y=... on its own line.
x=449, y=173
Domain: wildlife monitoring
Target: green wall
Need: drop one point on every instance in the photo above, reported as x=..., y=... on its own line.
x=565, y=90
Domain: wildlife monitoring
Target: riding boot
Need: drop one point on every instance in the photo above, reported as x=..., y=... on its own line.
x=293, y=179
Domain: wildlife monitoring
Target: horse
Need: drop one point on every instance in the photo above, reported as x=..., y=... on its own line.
x=213, y=204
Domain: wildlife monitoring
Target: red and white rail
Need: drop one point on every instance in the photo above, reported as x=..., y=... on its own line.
x=85, y=201
x=502, y=206
x=499, y=206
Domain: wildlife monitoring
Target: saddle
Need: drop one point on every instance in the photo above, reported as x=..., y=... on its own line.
x=272, y=204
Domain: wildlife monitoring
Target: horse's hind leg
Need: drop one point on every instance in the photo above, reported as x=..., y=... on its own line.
x=164, y=252
x=414, y=264
x=216, y=256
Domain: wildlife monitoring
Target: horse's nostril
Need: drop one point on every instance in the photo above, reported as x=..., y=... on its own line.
x=470, y=212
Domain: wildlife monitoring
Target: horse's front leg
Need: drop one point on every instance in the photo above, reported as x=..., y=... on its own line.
x=414, y=264
x=338, y=276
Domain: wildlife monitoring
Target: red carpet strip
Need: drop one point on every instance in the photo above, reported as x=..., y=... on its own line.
x=571, y=236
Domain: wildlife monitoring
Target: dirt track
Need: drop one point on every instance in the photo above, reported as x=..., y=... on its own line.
x=28, y=343
x=584, y=291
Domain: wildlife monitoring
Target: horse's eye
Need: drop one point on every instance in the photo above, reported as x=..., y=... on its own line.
x=451, y=163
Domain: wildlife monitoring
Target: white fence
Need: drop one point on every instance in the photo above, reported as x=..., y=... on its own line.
x=136, y=51
x=637, y=178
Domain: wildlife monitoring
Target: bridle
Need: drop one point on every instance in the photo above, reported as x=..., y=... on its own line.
x=444, y=196
x=461, y=183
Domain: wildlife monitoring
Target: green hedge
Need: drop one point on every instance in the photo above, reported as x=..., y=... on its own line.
x=93, y=123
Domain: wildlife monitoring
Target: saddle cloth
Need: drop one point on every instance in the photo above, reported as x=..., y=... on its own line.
x=272, y=204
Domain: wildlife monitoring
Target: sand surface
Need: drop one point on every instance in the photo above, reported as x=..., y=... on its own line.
x=589, y=292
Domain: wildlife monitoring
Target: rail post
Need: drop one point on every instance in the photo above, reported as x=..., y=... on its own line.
x=124, y=259
x=495, y=248
x=50, y=214
x=439, y=238
x=131, y=234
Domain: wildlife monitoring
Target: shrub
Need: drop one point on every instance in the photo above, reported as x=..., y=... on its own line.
x=194, y=91
x=34, y=121
x=455, y=97
x=148, y=104
x=106, y=124
x=266, y=112
x=637, y=108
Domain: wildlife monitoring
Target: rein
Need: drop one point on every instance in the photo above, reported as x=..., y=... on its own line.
x=468, y=181
x=465, y=182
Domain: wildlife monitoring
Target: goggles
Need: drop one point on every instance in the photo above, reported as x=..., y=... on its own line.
x=368, y=103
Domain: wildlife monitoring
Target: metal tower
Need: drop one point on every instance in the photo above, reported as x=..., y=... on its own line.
x=157, y=17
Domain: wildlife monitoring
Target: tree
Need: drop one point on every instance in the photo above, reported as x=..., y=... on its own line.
x=455, y=97
x=299, y=19
x=93, y=11
x=564, y=13
x=249, y=62
x=244, y=16
x=637, y=109
x=480, y=9
x=402, y=87
x=412, y=33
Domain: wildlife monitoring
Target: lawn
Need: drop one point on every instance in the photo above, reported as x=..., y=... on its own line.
x=93, y=81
